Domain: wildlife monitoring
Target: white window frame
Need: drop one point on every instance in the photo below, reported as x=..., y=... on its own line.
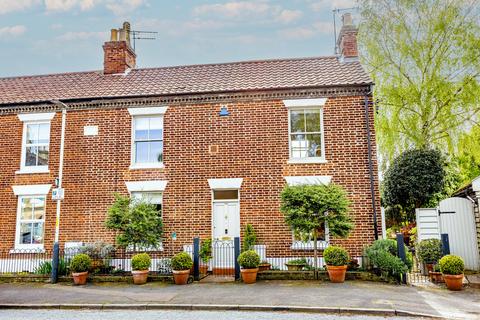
x=148, y=112
x=29, y=191
x=302, y=105
x=29, y=119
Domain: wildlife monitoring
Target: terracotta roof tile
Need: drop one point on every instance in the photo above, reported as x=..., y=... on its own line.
x=225, y=77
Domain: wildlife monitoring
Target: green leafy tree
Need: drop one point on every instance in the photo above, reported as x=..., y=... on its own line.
x=424, y=57
x=412, y=181
x=138, y=222
x=307, y=208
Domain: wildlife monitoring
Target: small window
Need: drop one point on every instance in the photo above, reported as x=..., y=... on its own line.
x=148, y=140
x=151, y=197
x=30, y=221
x=36, y=142
x=225, y=194
x=306, y=139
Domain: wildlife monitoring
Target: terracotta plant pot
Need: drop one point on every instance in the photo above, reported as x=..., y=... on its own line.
x=436, y=277
x=203, y=269
x=453, y=282
x=80, y=278
x=181, y=276
x=264, y=267
x=140, y=276
x=295, y=267
x=429, y=267
x=337, y=273
x=249, y=275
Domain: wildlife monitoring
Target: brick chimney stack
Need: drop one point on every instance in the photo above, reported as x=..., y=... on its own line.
x=347, y=39
x=118, y=54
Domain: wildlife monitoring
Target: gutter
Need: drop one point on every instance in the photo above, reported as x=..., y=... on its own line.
x=370, y=164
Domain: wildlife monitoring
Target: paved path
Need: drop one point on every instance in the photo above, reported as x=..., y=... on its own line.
x=351, y=294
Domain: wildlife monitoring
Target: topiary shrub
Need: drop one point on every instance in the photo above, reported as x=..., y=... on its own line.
x=181, y=261
x=249, y=238
x=429, y=250
x=141, y=261
x=452, y=265
x=335, y=256
x=80, y=263
x=249, y=259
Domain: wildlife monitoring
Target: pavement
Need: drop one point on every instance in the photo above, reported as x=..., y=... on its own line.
x=358, y=297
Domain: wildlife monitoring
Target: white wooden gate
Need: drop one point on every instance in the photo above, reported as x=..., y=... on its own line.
x=455, y=217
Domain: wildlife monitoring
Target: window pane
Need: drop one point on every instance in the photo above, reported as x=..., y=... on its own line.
x=44, y=133
x=141, y=152
x=32, y=133
x=156, y=128
x=42, y=156
x=225, y=194
x=25, y=233
x=312, y=120
x=141, y=128
x=39, y=208
x=156, y=151
x=299, y=145
x=37, y=233
x=297, y=121
x=314, y=145
x=26, y=209
x=31, y=154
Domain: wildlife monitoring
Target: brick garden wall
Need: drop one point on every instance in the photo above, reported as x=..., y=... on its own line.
x=253, y=145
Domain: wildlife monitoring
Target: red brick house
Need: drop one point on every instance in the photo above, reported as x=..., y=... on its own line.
x=213, y=145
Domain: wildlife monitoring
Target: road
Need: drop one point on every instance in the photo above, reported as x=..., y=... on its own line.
x=171, y=315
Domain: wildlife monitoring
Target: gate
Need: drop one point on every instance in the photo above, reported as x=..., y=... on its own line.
x=218, y=258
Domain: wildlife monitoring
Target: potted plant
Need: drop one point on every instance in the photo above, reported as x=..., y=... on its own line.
x=140, y=264
x=336, y=259
x=100, y=253
x=436, y=274
x=452, y=268
x=181, y=264
x=249, y=261
x=429, y=251
x=205, y=255
x=296, y=264
x=79, y=266
x=264, y=266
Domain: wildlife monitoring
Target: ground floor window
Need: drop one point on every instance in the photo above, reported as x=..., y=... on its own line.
x=30, y=222
x=155, y=198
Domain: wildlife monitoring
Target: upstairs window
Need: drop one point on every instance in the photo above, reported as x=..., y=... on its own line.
x=306, y=134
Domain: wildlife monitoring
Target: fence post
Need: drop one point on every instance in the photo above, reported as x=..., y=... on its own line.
x=196, y=258
x=55, y=258
x=445, y=244
x=236, y=243
x=401, y=253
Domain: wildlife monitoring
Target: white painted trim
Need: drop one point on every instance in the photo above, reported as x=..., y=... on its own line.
x=476, y=184
x=35, y=193
x=228, y=183
x=36, y=116
x=307, y=160
x=292, y=103
x=300, y=180
x=147, y=111
x=154, y=165
x=32, y=190
x=133, y=164
x=33, y=169
x=308, y=245
x=146, y=186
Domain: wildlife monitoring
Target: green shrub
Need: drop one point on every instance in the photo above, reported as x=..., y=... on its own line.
x=429, y=250
x=249, y=259
x=451, y=264
x=249, y=238
x=382, y=254
x=301, y=261
x=46, y=267
x=141, y=261
x=181, y=261
x=206, y=250
x=335, y=256
x=80, y=263
x=387, y=245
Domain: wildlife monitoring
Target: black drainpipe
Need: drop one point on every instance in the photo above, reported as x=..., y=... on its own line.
x=370, y=165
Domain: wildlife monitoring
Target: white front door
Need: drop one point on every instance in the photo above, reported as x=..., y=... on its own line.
x=226, y=220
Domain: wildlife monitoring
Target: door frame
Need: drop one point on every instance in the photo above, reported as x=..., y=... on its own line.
x=212, y=201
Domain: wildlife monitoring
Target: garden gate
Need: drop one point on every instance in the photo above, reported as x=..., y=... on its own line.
x=221, y=263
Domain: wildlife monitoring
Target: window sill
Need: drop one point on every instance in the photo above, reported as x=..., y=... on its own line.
x=27, y=250
x=307, y=160
x=32, y=170
x=139, y=166
x=299, y=245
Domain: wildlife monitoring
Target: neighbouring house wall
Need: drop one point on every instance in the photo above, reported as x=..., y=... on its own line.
x=253, y=145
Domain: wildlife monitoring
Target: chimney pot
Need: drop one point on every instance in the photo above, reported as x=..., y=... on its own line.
x=347, y=19
x=114, y=35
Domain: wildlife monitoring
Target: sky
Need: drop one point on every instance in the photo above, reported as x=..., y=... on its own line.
x=54, y=36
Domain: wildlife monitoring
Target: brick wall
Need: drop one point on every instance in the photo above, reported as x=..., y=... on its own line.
x=253, y=145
